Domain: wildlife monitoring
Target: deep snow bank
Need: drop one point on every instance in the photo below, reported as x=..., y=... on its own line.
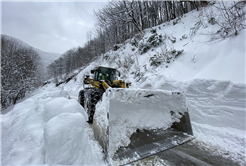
x=217, y=108
x=218, y=115
x=217, y=112
x=66, y=141
x=47, y=128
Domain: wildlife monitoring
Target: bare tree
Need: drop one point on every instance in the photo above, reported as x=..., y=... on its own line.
x=20, y=70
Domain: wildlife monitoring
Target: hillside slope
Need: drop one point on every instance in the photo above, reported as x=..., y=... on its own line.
x=46, y=57
x=202, y=57
x=210, y=72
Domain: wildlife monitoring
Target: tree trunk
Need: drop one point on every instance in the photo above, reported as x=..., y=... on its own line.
x=132, y=16
x=17, y=96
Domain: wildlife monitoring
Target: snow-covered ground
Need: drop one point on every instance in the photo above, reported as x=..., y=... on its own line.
x=49, y=126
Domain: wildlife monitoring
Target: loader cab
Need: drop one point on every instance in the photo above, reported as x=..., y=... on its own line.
x=104, y=73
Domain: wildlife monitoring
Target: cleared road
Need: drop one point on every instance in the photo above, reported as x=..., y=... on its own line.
x=185, y=155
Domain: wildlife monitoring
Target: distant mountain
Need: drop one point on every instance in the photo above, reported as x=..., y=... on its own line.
x=46, y=57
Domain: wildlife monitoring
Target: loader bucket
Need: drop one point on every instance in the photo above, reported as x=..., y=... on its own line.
x=131, y=124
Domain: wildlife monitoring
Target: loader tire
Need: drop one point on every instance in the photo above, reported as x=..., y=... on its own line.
x=92, y=96
x=81, y=98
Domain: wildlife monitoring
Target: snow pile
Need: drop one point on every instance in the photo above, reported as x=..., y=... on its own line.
x=47, y=128
x=66, y=141
x=53, y=109
x=123, y=111
x=218, y=116
x=211, y=73
x=217, y=113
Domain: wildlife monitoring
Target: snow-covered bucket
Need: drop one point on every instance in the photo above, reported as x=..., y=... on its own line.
x=131, y=124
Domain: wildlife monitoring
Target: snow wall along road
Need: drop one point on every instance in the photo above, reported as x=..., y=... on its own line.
x=131, y=124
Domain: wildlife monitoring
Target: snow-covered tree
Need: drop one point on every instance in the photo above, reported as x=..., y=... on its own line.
x=20, y=70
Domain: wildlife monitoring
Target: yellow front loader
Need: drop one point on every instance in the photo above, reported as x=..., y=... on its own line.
x=104, y=78
x=131, y=124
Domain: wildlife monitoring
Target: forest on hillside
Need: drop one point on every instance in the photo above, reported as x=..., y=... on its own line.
x=115, y=23
x=119, y=21
x=21, y=71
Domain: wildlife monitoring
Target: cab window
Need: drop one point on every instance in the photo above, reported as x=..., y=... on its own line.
x=96, y=76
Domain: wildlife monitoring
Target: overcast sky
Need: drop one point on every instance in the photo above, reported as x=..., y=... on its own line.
x=50, y=26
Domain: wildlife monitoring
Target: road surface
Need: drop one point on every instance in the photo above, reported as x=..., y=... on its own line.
x=185, y=155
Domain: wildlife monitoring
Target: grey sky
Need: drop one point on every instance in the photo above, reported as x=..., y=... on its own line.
x=50, y=26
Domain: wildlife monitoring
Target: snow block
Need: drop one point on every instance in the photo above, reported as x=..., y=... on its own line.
x=66, y=142
x=132, y=116
x=60, y=105
x=56, y=93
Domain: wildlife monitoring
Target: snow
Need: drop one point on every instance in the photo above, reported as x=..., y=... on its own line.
x=223, y=105
x=123, y=111
x=47, y=128
x=50, y=123
x=46, y=57
x=66, y=141
x=217, y=113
